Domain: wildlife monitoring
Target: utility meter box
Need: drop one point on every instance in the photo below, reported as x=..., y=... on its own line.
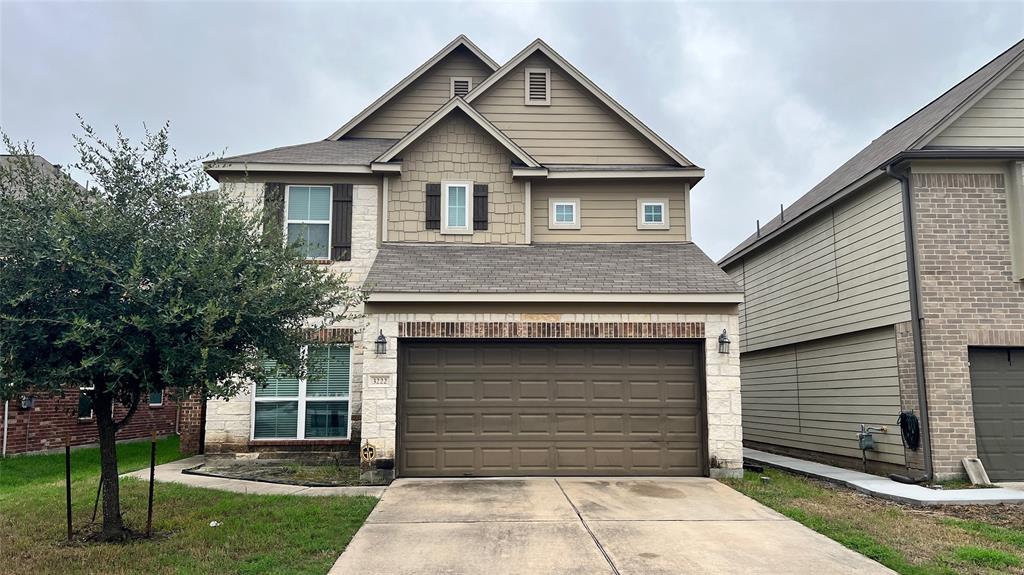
x=867, y=441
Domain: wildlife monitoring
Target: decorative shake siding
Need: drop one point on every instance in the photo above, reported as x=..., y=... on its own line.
x=421, y=98
x=843, y=271
x=608, y=210
x=456, y=149
x=814, y=395
x=574, y=129
x=997, y=120
x=968, y=296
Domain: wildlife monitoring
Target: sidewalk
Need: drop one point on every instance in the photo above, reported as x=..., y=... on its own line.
x=171, y=473
x=886, y=488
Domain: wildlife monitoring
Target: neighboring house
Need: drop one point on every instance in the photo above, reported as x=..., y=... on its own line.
x=527, y=243
x=837, y=286
x=39, y=422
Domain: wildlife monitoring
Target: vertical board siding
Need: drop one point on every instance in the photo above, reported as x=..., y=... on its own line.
x=995, y=120
x=814, y=395
x=574, y=129
x=608, y=210
x=421, y=98
x=842, y=271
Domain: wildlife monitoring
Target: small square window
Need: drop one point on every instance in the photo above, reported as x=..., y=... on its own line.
x=156, y=397
x=564, y=214
x=652, y=214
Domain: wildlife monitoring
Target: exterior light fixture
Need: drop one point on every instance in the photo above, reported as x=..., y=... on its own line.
x=28, y=401
x=723, y=342
x=382, y=343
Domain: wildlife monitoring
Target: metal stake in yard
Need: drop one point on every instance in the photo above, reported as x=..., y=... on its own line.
x=152, y=473
x=96, y=504
x=67, y=479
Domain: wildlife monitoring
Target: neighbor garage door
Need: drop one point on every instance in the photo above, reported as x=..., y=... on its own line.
x=550, y=408
x=997, y=383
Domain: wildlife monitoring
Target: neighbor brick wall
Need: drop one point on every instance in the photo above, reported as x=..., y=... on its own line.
x=53, y=418
x=968, y=296
x=190, y=424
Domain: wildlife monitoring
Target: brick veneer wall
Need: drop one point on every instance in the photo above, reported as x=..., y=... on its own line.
x=908, y=386
x=53, y=418
x=968, y=296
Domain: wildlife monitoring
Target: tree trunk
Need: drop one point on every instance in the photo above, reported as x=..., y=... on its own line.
x=113, y=525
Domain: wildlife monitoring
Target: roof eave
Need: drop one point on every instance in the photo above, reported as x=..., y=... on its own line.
x=567, y=297
x=215, y=168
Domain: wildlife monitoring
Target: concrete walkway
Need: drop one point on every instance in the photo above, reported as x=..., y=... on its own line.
x=884, y=487
x=171, y=473
x=585, y=527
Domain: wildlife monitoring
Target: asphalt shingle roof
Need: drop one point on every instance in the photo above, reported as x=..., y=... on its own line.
x=898, y=139
x=626, y=268
x=347, y=151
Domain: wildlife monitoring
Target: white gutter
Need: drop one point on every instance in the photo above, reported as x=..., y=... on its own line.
x=6, y=415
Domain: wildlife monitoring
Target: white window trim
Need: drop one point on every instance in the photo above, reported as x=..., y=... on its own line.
x=466, y=79
x=329, y=221
x=641, y=224
x=526, y=86
x=300, y=433
x=445, y=228
x=556, y=225
x=159, y=403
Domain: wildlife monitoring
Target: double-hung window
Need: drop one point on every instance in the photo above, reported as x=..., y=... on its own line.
x=312, y=407
x=652, y=214
x=85, y=403
x=309, y=219
x=457, y=207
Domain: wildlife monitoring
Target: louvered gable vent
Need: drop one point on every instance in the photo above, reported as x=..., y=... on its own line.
x=461, y=86
x=538, y=86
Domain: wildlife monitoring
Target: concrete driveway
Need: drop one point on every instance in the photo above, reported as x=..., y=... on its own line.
x=585, y=526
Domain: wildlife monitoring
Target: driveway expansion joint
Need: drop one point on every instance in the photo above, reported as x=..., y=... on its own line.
x=611, y=564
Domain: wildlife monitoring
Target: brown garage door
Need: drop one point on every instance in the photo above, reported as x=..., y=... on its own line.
x=550, y=408
x=997, y=384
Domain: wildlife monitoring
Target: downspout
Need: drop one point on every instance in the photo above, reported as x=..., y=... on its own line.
x=902, y=174
x=6, y=417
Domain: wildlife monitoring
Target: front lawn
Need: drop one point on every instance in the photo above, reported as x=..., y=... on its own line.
x=909, y=540
x=257, y=533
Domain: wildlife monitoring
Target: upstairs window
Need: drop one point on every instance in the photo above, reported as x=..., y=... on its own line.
x=652, y=214
x=461, y=86
x=538, y=87
x=456, y=207
x=314, y=407
x=564, y=214
x=309, y=219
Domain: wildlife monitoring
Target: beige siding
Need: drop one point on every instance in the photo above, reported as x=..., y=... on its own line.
x=608, y=210
x=456, y=148
x=814, y=395
x=842, y=271
x=574, y=129
x=995, y=120
x=421, y=98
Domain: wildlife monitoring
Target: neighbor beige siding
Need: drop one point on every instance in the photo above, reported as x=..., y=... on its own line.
x=996, y=120
x=608, y=210
x=574, y=129
x=421, y=98
x=456, y=148
x=815, y=395
x=842, y=271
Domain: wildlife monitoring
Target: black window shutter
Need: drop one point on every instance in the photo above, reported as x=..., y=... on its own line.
x=480, y=206
x=433, y=219
x=341, y=224
x=273, y=207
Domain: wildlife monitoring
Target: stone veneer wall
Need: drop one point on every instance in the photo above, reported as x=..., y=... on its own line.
x=725, y=432
x=456, y=149
x=968, y=296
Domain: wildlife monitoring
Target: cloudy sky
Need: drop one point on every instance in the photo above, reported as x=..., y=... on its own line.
x=768, y=98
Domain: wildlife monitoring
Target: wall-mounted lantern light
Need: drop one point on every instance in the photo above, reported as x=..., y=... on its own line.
x=723, y=343
x=382, y=343
x=28, y=401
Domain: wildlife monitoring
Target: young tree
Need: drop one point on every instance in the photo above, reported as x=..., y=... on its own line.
x=144, y=281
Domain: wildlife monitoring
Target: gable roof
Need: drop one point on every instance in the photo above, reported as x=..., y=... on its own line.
x=461, y=40
x=458, y=103
x=913, y=133
x=539, y=45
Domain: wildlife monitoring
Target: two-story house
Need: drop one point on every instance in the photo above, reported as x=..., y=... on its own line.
x=538, y=306
x=895, y=285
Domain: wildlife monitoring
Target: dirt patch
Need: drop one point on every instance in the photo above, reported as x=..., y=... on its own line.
x=285, y=472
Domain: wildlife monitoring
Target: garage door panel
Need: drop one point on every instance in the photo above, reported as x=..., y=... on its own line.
x=550, y=408
x=997, y=387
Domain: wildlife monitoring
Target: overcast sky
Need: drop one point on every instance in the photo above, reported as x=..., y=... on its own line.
x=768, y=98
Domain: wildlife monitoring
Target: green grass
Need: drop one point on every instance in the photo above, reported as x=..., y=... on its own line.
x=258, y=533
x=908, y=540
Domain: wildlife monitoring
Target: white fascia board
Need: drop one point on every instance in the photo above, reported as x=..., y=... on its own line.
x=632, y=174
x=386, y=297
x=275, y=167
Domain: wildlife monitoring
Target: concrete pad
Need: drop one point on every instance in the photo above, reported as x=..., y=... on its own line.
x=551, y=548
x=477, y=500
x=726, y=547
x=677, y=499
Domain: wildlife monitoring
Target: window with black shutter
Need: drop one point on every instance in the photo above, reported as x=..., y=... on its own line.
x=480, y=207
x=341, y=225
x=433, y=215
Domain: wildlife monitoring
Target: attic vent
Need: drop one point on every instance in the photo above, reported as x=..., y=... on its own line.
x=538, y=87
x=461, y=86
